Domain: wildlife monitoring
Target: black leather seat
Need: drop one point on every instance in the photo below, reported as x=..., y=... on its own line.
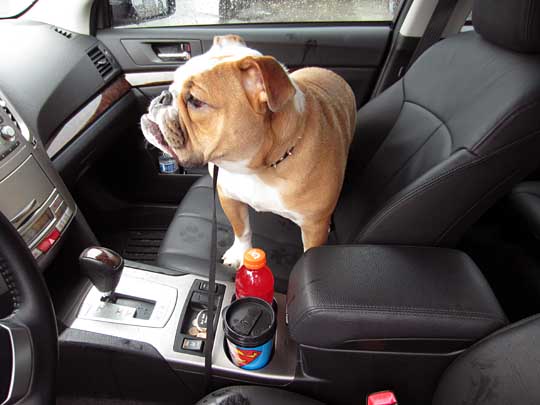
x=430, y=154
x=525, y=201
x=502, y=369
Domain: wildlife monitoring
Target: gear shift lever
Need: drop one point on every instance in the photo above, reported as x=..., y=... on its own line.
x=103, y=267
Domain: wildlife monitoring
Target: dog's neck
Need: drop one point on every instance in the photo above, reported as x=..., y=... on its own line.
x=286, y=129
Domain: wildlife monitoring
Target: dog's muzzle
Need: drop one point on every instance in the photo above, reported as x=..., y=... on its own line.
x=161, y=126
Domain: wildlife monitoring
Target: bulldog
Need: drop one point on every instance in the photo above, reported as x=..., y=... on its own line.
x=280, y=140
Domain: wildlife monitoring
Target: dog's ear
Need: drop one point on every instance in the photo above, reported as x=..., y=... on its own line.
x=266, y=83
x=228, y=40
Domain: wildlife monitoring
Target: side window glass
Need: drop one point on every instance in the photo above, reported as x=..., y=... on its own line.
x=162, y=13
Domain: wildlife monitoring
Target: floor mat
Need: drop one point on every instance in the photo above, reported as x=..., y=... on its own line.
x=141, y=245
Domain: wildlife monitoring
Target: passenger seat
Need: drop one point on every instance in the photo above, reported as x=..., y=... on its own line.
x=430, y=155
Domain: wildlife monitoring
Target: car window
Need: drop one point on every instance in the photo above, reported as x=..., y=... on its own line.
x=159, y=13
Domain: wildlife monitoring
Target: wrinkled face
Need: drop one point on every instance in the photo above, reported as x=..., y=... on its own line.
x=218, y=109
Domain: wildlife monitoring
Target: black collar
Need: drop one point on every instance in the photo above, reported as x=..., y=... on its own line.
x=286, y=154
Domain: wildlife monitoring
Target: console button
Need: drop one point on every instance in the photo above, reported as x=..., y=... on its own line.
x=199, y=298
x=49, y=240
x=7, y=132
x=36, y=253
x=204, y=286
x=193, y=345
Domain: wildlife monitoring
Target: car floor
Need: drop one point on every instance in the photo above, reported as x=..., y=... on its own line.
x=133, y=229
x=136, y=244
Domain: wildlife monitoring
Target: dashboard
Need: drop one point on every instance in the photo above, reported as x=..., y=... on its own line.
x=54, y=84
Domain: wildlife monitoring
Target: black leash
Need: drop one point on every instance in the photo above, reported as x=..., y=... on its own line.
x=210, y=313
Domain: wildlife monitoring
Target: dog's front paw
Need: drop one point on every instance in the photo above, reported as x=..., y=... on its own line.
x=234, y=256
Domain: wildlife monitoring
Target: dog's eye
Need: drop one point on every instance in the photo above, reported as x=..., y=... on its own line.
x=195, y=102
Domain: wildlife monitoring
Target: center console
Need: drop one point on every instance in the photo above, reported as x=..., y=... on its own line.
x=34, y=198
x=356, y=319
x=172, y=324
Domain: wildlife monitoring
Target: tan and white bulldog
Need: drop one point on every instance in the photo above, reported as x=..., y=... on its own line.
x=280, y=140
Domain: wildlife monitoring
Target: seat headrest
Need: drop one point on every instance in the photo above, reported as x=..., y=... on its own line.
x=512, y=24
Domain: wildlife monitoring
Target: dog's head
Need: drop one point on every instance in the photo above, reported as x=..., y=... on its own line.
x=218, y=108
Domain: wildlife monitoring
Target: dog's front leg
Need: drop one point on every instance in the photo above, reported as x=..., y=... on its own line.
x=315, y=233
x=237, y=213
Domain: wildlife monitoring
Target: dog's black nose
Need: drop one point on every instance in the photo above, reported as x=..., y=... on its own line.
x=165, y=98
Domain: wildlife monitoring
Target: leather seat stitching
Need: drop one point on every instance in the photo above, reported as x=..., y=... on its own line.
x=403, y=309
x=311, y=312
x=496, y=187
x=443, y=122
x=378, y=218
x=508, y=117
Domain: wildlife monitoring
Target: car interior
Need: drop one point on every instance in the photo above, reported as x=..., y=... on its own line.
x=428, y=289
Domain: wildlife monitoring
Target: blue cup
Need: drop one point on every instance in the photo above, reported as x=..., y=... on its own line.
x=250, y=327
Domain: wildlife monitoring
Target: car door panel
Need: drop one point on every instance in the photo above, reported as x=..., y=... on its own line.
x=355, y=52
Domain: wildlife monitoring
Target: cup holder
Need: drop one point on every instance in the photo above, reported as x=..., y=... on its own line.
x=249, y=328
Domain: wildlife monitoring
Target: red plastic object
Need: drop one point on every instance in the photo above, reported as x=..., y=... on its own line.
x=254, y=278
x=382, y=398
x=49, y=240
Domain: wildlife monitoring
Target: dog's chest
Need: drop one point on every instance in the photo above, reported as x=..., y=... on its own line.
x=251, y=190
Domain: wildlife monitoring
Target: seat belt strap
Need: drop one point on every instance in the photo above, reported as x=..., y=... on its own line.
x=210, y=312
x=435, y=28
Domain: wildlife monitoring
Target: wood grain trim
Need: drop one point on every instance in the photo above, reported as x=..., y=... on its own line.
x=87, y=115
x=111, y=95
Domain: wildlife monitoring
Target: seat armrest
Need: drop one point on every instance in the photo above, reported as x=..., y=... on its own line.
x=357, y=296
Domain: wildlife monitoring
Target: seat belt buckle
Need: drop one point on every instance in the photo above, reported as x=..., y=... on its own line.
x=382, y=398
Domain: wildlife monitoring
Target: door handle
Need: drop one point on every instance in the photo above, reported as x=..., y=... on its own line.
x=179, y=56
x=172, y=51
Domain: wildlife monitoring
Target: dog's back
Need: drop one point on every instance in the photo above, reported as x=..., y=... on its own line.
x=333, y=91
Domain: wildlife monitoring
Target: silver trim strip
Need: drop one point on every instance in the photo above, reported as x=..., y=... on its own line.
x=22, y=214
x=181, y=56
x=73, y=127
x=149, y=78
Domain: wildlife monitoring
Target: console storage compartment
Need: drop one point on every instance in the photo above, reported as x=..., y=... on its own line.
x=367, y=314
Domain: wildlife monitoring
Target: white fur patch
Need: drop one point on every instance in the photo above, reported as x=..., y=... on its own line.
x=250, y=189
x=234, y=256
x=299, y=98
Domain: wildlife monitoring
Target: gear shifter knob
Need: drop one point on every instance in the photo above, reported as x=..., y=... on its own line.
x=103, y=267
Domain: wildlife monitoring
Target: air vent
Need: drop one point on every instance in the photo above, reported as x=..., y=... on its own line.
x=63, y=32
x=3, y=106
x=100, y=61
